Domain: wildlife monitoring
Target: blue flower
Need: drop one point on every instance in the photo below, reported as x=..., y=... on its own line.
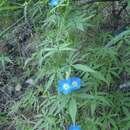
x=64, y=86
x=54, y=2
x=75, y=83
x=68, y=85
x=74, y=127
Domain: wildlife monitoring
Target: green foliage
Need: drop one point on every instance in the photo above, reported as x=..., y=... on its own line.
x=4, y=60
x=129, y=3
x=73, y=110
x=67, y=42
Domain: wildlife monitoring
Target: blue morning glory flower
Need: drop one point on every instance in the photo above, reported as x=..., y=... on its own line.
x=54, y=2
x=75, y=83
x=74, y=127
x=68, y=85
x=64, y=86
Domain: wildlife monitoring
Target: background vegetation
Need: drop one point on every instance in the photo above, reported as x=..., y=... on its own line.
x=40, y=44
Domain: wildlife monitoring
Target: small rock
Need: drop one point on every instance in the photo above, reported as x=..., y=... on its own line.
x=30, y=81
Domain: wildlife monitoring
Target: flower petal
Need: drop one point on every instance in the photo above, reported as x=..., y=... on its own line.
x=75, y=83
x=74, y=127
x=64, y=86
x=53, y=2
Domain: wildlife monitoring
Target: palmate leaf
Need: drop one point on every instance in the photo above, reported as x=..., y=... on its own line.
x=78, y=20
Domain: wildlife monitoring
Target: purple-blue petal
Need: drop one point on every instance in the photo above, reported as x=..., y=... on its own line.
x=77, y=85
x=54, y=2
x=68, y=91
x=61, y=88
x=74, y=127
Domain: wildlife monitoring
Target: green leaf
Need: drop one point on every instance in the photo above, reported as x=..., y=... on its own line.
x=99, y=76
x=86, y=68
x=119, y=37
x=73, y=109
x=10, y=8
x=49, y=83
x=128, y=3
x=83, y=68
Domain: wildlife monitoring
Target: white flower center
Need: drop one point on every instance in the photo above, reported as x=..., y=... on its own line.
x=66, y=86
x=74, y=83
